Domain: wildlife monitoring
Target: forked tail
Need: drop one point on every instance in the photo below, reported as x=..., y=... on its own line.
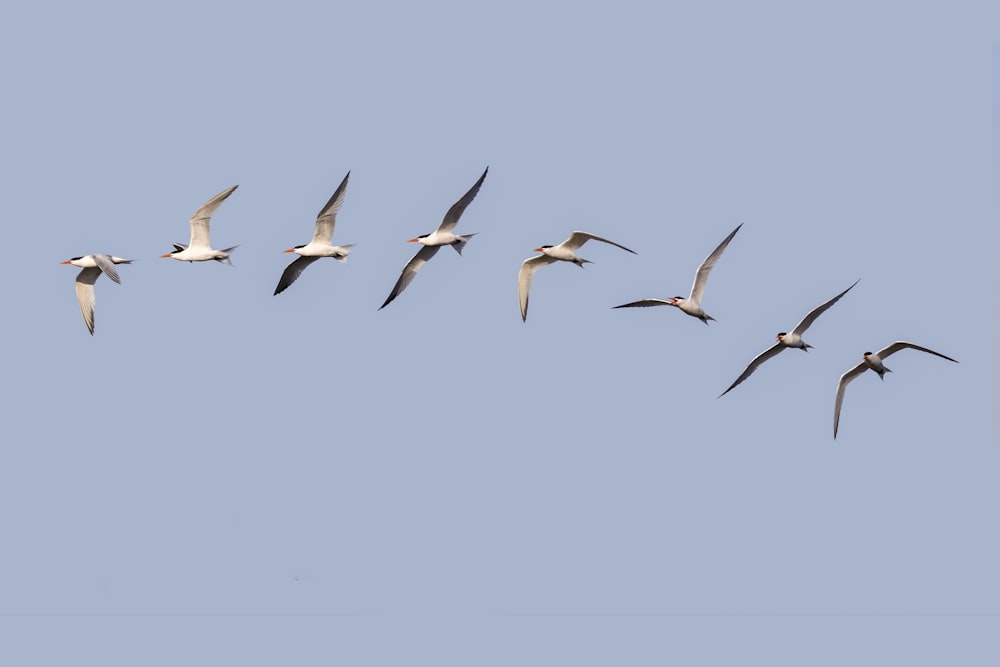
x=460, y=243
x=225, y=256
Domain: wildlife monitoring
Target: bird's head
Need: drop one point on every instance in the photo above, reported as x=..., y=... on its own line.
x=781, y=335
x=418, y=239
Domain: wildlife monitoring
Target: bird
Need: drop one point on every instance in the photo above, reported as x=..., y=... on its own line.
x=873, y=361
x=562, y=252
x=442, y=236
x=692, y=304
x=93, y=266
x=322, y=241
x=793, y=339
x=199, y=249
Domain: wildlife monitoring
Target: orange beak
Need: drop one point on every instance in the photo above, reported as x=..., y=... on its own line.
x=289, y=250
x=539, y=250
x=169, y=254
x=66, y=262
x=414, y=241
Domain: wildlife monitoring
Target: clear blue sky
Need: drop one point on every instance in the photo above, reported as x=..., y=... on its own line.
x=222, y=476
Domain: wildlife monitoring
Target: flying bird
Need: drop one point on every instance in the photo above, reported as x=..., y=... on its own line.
x=692, y=304
x=443, y=235
x=793, y=339
x=562, y=252
x=873, y=362
x=93, y=266
x=199, y=248
x=322, y=241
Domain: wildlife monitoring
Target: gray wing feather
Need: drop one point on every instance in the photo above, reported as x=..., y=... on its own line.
x=455, y=212
x=757, y=361
x=801, y=327
x=105, y=264
x=292, y=272
x=410, y=272
x=327, y=217
x=701, y=275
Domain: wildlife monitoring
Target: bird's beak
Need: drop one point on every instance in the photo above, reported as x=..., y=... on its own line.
x=167, y=255
x=417, y=240
x=289, y=250
x=67, y=262
x=539, y=250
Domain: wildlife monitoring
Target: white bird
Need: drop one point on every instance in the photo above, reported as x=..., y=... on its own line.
x=322, y=241
x=199, y=248
x=793, y=339
x=562, y=252
x=692, y=304
x=443, y=235
x=93, y=266
x=873, y=362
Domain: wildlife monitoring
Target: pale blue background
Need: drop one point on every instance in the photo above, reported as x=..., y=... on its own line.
x=221, y=476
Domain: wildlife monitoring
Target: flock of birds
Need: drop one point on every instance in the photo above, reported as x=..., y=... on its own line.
x=199, y=249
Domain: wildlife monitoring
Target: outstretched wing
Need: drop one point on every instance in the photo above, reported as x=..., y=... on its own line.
x=410, y=272
x=644, y=303
x=327, y=217
x=200, y=219
x=845, y=379
x=524, y=276
x=757, y=361
x=701, y=276
x=292, y=272
x=801, y=327
x=902, y=345
x=85, y=295
x=105, y=264
x=455, y=212
x=577, y=239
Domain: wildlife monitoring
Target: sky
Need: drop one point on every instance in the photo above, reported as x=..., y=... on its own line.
x=220, y=475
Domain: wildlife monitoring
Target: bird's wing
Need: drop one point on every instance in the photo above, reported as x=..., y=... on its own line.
x=524, y=276
x=757, y=361
x=327, y=217
x=845, y=379
x=801, y=327
x=105, y=264
x=456, y=210
x=293, y=271
x=410, y=272
x=644, y=303
x=577, y=239
x=701, y=275
x=199, y=221
x=902, y=345
x=85, y=295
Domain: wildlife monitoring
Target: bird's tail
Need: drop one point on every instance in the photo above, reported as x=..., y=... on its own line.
x=707, y=318
x=805, y=346
x=581, y=261
x=460, y=243
x=121, y=260
x=225, y=255
x=885, y=370
x=347, y=251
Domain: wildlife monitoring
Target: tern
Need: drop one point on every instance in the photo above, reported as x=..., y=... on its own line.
x=562, y=252
x=322, y=241
x=873, y=362
x=793, y=339
x=443, y=235
x=692, y=304
x=199, y=248
x=93, y=266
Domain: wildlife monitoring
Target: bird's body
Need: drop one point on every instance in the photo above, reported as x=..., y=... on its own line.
x=199, y=249
x=564, y=252
x=788, y=339
x=322, y=241
x=93, y=266
x=873, y=361
x=692, y=304
x=442, y=236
